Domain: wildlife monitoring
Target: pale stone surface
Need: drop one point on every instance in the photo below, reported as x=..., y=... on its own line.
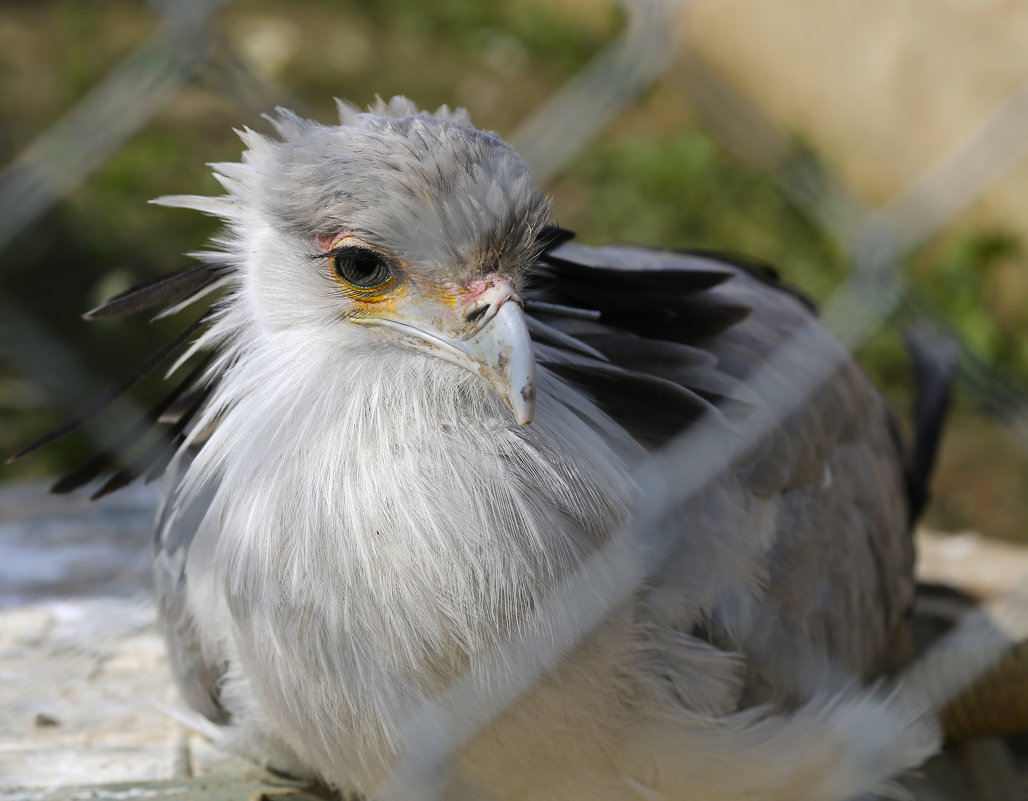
x=85, y=691
x=81, y=680
x=979, y=566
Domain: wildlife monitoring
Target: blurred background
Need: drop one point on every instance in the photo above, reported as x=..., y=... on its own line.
x=845, y=140
x=875, y=152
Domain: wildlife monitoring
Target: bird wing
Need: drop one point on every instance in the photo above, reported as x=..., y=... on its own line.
x=196, y=670
x=667, y=341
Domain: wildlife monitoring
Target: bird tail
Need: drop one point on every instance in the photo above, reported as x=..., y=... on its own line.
x=977, y=663
x=933, y=356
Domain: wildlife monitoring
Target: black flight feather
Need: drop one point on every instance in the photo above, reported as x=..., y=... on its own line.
x=164, y=290
x=182, y=404
x=155, y=458
x=760, y=270
x=648, y=314
x=685, y=321
x=664, y=282
x=119, y=389
x=690, y=367
x=610, y=382
x=133, y=434
x=935, y=357
x=177, y=434
x=673, y=310
x=553, y=236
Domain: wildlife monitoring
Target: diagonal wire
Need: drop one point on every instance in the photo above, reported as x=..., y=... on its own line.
x=878, y=239
x=104, y=119
x=929, y=203
x=58, y=160
x=563, y=125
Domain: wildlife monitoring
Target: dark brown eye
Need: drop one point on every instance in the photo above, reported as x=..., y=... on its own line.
x=362, y=268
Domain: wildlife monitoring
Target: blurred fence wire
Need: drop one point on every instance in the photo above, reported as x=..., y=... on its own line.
x=876, y=294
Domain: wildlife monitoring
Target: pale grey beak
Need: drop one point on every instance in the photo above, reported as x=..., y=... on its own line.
x=500, y=352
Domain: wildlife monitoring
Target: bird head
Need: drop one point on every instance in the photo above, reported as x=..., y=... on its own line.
x=396, y=228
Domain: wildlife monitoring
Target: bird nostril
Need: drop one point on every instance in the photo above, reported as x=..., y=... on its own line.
x=475, y=315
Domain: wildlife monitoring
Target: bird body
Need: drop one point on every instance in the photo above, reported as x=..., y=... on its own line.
x=423, y=419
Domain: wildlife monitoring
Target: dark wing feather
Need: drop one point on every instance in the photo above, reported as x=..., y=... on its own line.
x=620, y=329
x=155, y=458
x=123, y=445
x=174, y=292
x=762, y=271
x=839, y=560
x=649, y=404
x=934, y=357
x=655, y=294
x=119, y=389
x=163, y=291
x=646, y=281
x=154, y=467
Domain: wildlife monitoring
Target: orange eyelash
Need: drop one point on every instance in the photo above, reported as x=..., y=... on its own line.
x=386, y=293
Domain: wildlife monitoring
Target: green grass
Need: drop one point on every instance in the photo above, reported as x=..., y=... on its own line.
x=681, y=191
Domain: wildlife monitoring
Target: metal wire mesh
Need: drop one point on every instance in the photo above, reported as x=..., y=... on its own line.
x=875, y=241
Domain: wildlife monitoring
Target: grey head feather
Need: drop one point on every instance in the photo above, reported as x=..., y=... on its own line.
x=429, y=188
x=399, y=106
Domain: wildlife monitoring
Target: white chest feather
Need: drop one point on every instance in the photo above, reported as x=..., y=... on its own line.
x=382, y=521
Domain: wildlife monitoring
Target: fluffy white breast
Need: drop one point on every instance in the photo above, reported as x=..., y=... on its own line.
x=380, y=520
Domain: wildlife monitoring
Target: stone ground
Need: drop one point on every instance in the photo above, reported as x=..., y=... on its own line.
x=85, y=693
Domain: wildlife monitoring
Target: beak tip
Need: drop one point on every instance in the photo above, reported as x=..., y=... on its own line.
x=524, y=410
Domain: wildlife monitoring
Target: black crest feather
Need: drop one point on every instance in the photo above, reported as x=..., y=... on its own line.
x=162, y=291
x=97, y=406
x=123, y=445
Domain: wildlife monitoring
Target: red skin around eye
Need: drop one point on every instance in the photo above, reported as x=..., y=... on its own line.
x=476, y=288
x=325, y=241
x=495, y=284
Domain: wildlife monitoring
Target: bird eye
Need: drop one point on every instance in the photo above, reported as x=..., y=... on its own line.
x=362, y=268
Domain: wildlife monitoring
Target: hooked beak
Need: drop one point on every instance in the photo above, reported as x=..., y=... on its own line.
x=501, y=352
x=499, y=349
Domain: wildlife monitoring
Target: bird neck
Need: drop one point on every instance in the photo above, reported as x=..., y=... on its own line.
x=392, y=494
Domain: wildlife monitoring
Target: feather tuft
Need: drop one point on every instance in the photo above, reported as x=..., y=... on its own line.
x=132, y=435
x=286, y=123
x=97, y=406
x=168, y=289
x=223, y=206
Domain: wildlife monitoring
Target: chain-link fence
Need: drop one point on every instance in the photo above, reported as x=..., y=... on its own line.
x=876, y=294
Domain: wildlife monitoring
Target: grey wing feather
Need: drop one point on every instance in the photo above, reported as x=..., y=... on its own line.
x=196, y=673
x=838, y=568
x=841, y=568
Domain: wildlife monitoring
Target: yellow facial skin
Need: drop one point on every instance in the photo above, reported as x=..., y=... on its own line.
x=479, y=326
x=378, y=299
x=406, y=295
